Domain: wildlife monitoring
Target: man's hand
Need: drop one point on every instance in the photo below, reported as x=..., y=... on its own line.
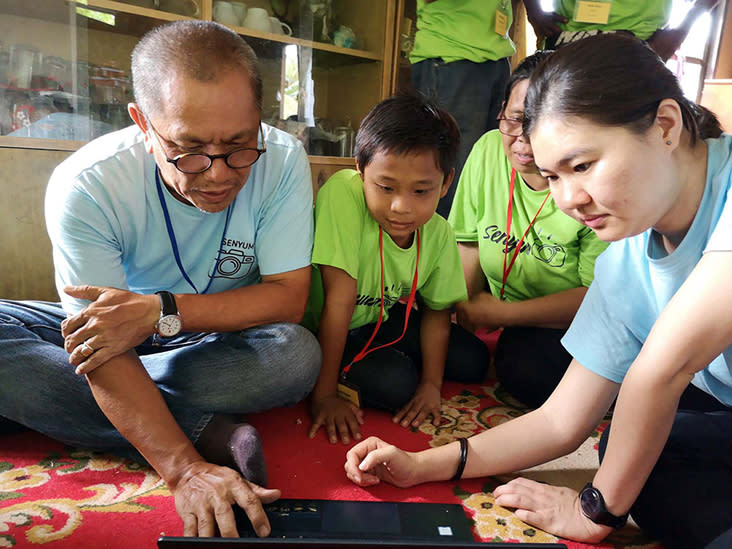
x=554, y=509
x=665, y=42
x=338, y=416
x=115, y=322
x=425, y=402
x=373, y=460
x=205, y=494
x=544, y=23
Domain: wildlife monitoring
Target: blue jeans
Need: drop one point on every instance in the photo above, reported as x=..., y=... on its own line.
x=198, y=374
x=472, y=93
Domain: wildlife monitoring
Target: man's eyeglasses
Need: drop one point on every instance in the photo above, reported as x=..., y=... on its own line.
x=192, y=163
x=512, y=127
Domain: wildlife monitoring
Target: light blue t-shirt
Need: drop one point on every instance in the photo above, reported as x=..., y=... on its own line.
x=107, y=227
x=635, y=278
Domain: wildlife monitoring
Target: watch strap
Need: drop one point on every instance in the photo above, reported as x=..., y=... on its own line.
x=167, y=303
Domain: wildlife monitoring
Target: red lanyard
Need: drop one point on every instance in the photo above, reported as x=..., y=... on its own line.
x=365, y=351
x=509, y=215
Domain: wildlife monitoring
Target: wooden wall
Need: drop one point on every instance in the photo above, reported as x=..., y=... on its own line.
x=26, y=267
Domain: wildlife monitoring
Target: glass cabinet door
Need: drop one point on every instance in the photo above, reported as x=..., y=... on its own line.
x=65, y=66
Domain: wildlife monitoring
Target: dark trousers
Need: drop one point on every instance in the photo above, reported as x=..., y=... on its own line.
x=530, y=362
x=687, y=499
x=387, y=378
x=472, y=93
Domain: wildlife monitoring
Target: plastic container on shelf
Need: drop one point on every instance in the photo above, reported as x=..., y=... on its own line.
x=4, y=61
x=21, y=63
x=108, y=91
x=55, y=70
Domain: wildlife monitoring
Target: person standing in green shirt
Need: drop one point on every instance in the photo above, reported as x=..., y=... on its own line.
x=460, y=61
x=573, y=20
x=377, y=241
x=527, y=264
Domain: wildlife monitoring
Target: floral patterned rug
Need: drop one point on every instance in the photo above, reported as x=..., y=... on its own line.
x=53, y=496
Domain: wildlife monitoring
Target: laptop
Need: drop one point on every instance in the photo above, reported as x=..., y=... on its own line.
x=303, y=523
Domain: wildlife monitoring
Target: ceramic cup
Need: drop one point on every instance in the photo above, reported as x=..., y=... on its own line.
x=223, y=12
x=188, y=8
x=279, y=27
x=258, y=19
x=240, y=9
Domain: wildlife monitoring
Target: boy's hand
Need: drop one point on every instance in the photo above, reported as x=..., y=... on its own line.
x=425, y=402
x=338, y=415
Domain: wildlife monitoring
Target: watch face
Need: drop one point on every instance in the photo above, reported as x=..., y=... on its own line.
x=590, y=502
x=170, y=325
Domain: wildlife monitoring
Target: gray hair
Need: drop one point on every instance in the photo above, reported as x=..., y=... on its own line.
x=201, y=50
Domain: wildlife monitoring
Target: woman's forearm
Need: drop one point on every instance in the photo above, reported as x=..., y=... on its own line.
x=557, y=428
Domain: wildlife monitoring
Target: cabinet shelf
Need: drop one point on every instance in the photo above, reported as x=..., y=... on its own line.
x=342, y=83
x=123, y=9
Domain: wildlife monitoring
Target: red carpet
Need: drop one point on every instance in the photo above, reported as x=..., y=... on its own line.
x=55, y=497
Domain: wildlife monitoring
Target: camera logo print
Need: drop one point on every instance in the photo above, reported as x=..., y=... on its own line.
x=553, y=255
x=233, y=263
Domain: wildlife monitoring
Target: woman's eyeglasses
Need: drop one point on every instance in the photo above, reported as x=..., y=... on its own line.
x=512, y=127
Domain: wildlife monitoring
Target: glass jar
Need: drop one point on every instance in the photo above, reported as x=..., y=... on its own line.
x=55, y=71
x=20, y=65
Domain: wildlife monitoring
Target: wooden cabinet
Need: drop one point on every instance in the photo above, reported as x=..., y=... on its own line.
x=64, y=67
x=64, y=79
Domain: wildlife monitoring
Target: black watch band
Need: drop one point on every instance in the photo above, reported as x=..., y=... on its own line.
x=170, y=322
x=167, y=303
x=593, y=507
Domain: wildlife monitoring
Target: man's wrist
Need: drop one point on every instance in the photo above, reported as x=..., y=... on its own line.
x=176, y=467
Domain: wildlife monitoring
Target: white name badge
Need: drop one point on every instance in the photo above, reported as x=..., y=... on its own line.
x=592, y=12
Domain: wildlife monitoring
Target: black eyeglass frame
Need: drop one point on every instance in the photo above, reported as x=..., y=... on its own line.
x=211, y=157
x=519, y=121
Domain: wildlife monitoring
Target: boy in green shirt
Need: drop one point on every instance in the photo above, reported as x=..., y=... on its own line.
x=378, y=240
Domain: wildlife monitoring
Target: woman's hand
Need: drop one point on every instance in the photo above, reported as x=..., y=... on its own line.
x=480, y=311
x=373, y=460
x=425, y=402
x=554, y=509
x=338, y=416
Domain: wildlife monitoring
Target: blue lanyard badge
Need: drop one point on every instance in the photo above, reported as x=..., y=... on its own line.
x=174, y=242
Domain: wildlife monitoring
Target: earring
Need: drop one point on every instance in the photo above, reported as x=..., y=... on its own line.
x=669, y=142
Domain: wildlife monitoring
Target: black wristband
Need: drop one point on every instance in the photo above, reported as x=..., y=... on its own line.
x=463, y=459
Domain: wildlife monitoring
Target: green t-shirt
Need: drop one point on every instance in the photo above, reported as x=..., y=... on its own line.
x=641, y=17
x=557, y=254
x=347, y=237
x=461, y=29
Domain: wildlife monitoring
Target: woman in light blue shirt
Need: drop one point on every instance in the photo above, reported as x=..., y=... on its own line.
x=626, y=154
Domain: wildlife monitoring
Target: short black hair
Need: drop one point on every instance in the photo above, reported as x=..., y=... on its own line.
x=405, y=123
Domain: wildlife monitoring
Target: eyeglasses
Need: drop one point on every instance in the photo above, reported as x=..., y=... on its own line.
x=512, y=127
x=192, y=163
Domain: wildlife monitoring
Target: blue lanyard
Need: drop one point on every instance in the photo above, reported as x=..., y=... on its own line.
x=174, y=243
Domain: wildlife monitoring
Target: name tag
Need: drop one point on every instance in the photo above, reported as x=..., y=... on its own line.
x=348, y=391
x=592, y=12
x=501, y=23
